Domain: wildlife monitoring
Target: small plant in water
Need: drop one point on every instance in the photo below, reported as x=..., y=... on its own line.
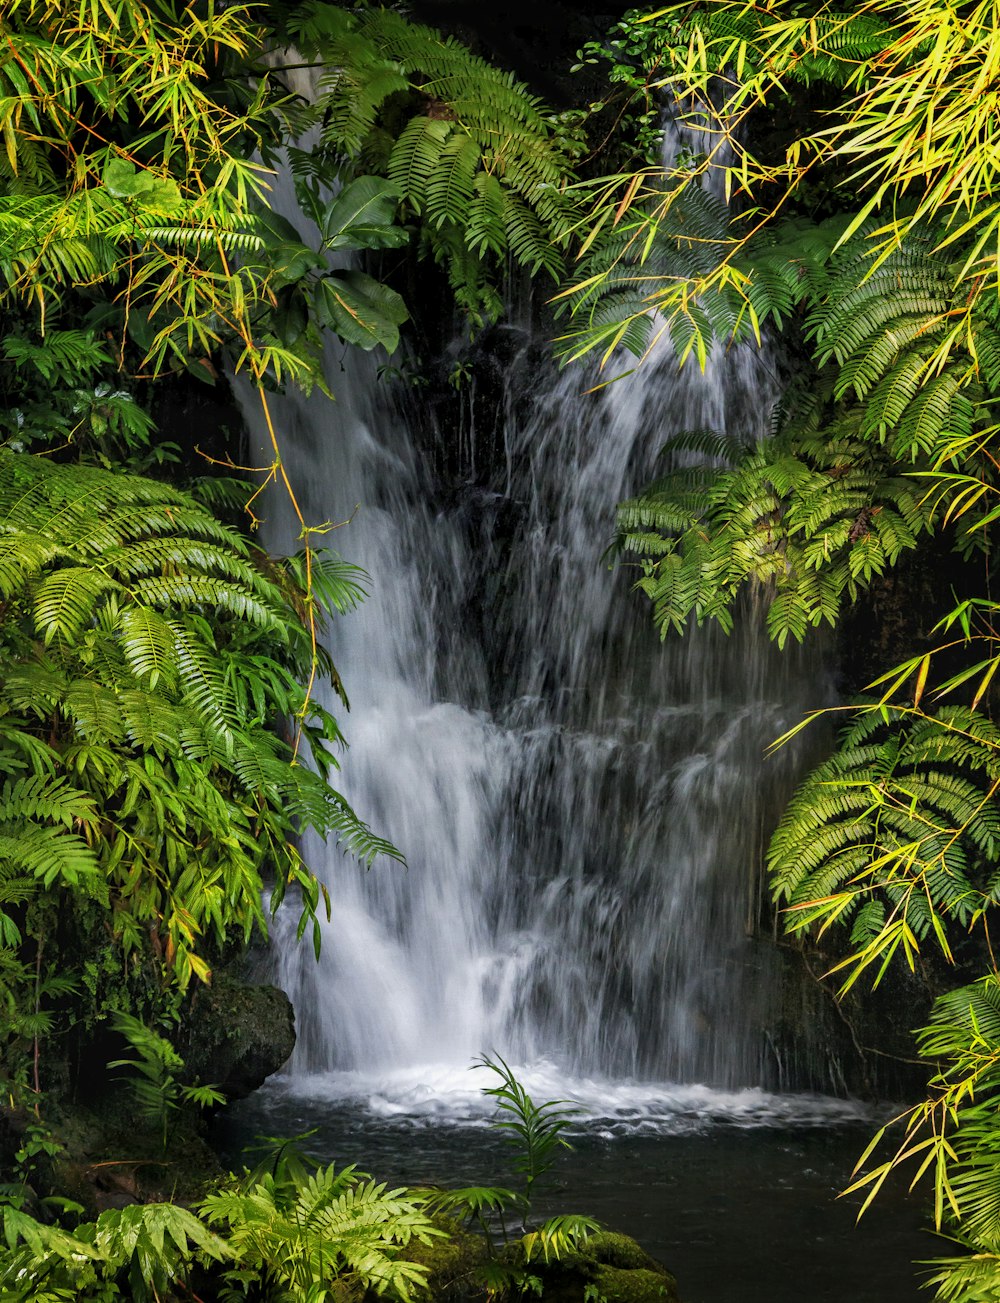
x=537, y=1133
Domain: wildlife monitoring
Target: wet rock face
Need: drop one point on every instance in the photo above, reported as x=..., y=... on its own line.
x=237, y=1035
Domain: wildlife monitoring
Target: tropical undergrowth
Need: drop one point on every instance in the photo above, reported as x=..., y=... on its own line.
x=294, y=1229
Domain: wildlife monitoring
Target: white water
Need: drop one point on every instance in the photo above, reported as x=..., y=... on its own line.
x=581, y=808
x=440, y=1095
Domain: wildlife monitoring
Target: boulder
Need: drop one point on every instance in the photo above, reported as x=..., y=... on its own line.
x=237, y=1034
x=606, y=1268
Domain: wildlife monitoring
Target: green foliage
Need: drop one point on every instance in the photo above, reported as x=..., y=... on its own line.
x=897, y=834
x=157, y=237
x=290, y=1229
x=951, y=1137
x=625, y=261
x=88, y=198
x=810, y=519
x=904, y=353
x=39, y=1145
x=284, y=1231
x=862, y=463
x=476, y=160
x=60, y=390
x=139, y=1252
x=907, y=132
x=557, y=1236
x=302, y=1232
x=157, y=1092
x=534, y=1131
x=147, y=654
x=309, y=294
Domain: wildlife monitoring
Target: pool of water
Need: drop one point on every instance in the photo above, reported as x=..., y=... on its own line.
x=737, y=1193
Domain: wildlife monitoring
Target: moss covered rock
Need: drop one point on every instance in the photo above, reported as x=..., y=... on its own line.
x=453, y=1261
x=607, y=1268
x=237, y=1034
x=633, y=1285
x=611, y=1249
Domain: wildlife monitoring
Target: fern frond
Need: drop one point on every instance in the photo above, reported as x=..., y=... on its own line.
x=890, y=831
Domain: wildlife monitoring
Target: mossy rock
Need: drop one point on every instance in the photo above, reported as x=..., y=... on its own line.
x=451, y=1259
x=237, y=1034
x=607, y=1267
x=612, y=1249
x=633, y=1285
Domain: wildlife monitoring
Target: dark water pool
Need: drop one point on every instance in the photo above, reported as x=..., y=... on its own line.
x=739, y=1213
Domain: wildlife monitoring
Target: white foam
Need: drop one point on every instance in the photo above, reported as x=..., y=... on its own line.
x=449, y=1095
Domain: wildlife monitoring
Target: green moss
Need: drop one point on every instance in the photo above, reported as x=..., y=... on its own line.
x=607, y=1268
x=452, y=1260
x=635, y=1285
x=616, y=1250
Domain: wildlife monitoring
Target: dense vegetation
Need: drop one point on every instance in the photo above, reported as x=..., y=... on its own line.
x=157, y=668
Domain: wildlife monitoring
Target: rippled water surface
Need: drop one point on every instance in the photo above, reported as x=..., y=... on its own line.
x=736, y=1192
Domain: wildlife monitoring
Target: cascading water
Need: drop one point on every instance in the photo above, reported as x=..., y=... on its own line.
x=581, y=807
x=583, y=810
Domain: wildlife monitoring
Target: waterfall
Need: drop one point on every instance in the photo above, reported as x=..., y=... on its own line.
x=581, y=806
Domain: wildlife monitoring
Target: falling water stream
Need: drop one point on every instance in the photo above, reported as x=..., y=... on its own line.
x=581, y=807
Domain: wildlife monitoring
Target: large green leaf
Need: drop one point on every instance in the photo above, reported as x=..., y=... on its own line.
x=361, y=216
x=290, y=257
x=123, y=181
x=361, y=310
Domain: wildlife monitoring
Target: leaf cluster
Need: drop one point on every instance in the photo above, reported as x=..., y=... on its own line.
x=150, y=657
x=888, y=439
x=535, y=1131
x=479, y=164
x=138, y=1252
x=896, y=834
x=951, y=1140
x=310, y=1233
